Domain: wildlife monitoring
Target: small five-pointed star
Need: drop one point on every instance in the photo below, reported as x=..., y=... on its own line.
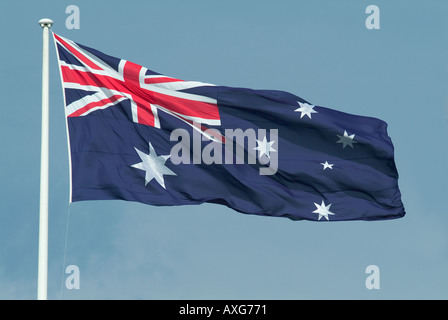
x=153, y=165
x=323, y=210
x=264, y=147
x=305, y=109
x=346, y=140
x=327, y=165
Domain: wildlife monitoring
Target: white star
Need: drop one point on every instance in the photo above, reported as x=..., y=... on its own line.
x=264, y=147
x=305, y=109
x=323, y=210
x=346, y=140
x=154, y=166
x=327, y=165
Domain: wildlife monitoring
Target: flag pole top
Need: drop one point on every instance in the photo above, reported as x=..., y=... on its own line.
x=45, y=23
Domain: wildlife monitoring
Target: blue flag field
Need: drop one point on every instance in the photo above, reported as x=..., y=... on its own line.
x=138, y=135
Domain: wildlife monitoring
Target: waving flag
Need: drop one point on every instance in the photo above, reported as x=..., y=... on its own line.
x=138, y=135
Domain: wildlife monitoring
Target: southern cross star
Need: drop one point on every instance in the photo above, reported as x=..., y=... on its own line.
x=264, y=147
x=323, y=210
x=327, y=165
x=346, y=140
x=305, y=109
x=153, y=165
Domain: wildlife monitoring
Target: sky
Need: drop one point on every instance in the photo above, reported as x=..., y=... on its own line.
x=319, y=50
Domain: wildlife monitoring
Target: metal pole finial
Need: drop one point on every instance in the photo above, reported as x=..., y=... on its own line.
x=46, y=22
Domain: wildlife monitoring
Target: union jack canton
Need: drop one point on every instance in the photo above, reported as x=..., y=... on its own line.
x=107, y=81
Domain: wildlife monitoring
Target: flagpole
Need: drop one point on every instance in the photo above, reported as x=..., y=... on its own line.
x=42, y=267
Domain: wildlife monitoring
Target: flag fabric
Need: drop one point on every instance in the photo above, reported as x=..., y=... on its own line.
x=138, y=135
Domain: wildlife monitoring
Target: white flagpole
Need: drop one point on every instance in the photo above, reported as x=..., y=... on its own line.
x=42, y=267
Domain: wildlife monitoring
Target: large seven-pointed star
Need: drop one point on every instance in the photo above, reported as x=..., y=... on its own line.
x=153, y=165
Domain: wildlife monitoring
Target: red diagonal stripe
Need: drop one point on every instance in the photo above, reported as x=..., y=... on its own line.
x=95, y=104
x=77, y=54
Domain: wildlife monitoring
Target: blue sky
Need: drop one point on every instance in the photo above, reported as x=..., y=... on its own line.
x=318, y=50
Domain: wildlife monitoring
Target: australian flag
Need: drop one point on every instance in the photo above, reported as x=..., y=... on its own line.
x=138, y=135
